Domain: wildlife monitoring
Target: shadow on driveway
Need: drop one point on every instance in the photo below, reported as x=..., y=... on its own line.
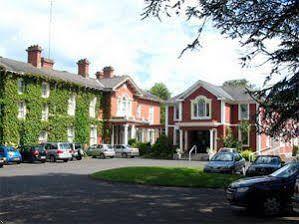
x=68, y=198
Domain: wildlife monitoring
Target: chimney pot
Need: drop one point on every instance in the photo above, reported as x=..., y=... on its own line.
x=34, y=55
x=47, y=63
x=83, y=67
x=108, y=72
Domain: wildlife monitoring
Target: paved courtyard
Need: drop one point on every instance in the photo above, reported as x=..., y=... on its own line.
x=63, y=193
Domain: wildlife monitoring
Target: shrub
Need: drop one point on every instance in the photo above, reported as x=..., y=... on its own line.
x=163, y=148
x=247, y=154
x=295, y=150
x=230, y=141
x=144, y=148
x=132, y=141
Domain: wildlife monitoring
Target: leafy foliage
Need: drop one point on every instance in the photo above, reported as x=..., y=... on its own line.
x=163, y=148
x=255, y=23
x=14, y=131
x=230, y=141
x=248, y=155
x=238, y=83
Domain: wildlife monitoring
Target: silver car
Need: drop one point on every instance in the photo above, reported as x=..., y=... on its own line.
x=126, y=151
x=102, y=150
x=58, y=151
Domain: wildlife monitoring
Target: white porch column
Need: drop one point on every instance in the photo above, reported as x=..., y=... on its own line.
x=181, y=141
x=166, y=120
x=112, y=136
x=126, y=134
x=186, y=140
x=133, y=132
x=211, y=140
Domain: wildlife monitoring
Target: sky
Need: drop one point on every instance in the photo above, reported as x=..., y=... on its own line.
x=111, y=32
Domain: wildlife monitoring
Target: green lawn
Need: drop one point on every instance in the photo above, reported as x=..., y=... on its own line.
x=166, y=176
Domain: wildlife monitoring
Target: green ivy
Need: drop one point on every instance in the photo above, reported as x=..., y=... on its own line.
x=14, y=131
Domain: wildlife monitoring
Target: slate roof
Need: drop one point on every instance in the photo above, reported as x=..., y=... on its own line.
x=228, y=93
x=113, y=82
x=26, y=68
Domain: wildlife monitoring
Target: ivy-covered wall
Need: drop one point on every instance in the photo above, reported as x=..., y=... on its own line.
x=14, y=131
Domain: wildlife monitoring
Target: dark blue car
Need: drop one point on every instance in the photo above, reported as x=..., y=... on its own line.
x=11, y=154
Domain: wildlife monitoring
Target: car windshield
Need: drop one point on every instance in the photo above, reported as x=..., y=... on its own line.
x=267, y=160
x=223, y=157
x=286, y=171
x=109, y=147
x=65, y=146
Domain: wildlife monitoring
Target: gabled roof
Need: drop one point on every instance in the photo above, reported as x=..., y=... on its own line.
x=228, y=93
x=26, y=68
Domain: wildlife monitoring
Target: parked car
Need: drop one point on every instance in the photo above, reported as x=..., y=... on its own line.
x=126, y=151
x=225, y=162
x=11, y=154
x=58, y=151
x=264, y=165
x=296, y=196
x=77, y=151
x=102, y=151
x=271, y=194
x=225, y=149
x=2, y=161
x=33, y=153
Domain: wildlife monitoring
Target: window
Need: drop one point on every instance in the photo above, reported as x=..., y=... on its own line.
x=22, y=110
x=124, y=106
x=151, y=115
x=139, y=111
x=71, y=105
x=43, y=137
x=176, y=111
x=244, y=136
x=93, y=135
x=92, y=108
x=45, y=90
x=201, y=108
x=70, y=134
x=243, y=111
x=45, y=112
x=21, y=86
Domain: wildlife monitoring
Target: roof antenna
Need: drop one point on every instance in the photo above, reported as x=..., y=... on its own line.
x=50, y=28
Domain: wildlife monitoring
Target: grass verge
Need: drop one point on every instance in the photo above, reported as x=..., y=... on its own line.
x=167, y=176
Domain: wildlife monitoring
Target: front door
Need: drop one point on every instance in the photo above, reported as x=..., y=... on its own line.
x=201, y=139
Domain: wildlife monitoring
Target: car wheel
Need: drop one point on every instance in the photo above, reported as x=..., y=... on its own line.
x=79, y=157
x=124, y=155
x=18, y=162
x=271, y=206
x=43, y=161
x=52, y=159
x=65, y=160
x=102, y=156
x=1, y=165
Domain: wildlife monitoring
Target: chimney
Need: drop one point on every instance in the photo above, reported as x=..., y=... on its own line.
x=47, y=63
x=83, y=67
x=108, y=72
x=99, y=75
x=34, y=55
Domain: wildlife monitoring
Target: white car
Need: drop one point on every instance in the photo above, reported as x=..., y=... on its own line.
x=225, y=149
x=126, y=151
x=102, y=150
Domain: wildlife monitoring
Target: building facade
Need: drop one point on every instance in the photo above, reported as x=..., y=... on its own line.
x=39, y=104
x=204, y=114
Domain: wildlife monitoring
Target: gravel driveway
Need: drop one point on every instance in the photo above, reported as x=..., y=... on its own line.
x=63, y=193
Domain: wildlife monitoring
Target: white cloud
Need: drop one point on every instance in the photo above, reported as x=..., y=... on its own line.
x=111, y=33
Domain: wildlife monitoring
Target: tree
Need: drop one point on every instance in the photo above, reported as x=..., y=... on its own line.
x=254, y=23
x=160, y=90
x=239, y=83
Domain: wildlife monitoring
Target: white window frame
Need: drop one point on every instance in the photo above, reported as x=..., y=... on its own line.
x=151, y=114
x=139, y=109
x=240, y=138
x=45, y=90
x=22, y=111
x=93, y=135
x=124, y=106
x=43, y=137
x=45, y=112
x=71, y=106
x=177, y=110
x=195, y=101
x=21, y=86
x=70, y=134
x=240, y=114
x=92, y=108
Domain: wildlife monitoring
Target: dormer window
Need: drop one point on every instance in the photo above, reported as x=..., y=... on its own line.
x=201, y=108
x=71, y=105
x=21, y=86
x=243, y=112
x=45, y=90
